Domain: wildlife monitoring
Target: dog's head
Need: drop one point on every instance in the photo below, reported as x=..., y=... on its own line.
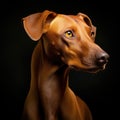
x=71, y=38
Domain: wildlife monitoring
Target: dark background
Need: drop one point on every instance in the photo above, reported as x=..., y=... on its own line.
x=99, y=91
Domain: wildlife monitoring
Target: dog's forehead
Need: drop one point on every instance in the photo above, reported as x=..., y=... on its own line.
x=61, y=18
x=62, y=21
x=68, y=18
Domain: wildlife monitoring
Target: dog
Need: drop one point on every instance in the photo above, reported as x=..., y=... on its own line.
x=65, y=42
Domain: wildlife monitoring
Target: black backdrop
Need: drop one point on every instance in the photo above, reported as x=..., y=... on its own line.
x=97, y=90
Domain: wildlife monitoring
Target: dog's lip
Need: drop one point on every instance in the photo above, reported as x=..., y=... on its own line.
x=93, y=69
x=96, y=69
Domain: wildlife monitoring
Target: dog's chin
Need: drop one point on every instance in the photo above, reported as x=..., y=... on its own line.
x=93, y=69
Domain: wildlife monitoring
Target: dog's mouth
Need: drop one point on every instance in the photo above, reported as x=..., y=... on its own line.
x=93, y=69
x=92, y=63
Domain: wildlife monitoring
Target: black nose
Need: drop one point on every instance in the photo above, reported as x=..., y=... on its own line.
x=102, y=59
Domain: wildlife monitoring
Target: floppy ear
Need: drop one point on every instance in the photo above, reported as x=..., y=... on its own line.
x=85, y=18
x=36, y=24
x=89, y=23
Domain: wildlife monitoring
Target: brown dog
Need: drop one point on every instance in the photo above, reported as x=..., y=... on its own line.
x=65, y=41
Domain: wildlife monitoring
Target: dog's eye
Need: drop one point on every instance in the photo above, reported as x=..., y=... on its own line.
x=69, y=34
x=92, y=34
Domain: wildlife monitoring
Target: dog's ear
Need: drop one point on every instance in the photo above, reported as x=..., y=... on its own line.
x=89, y=23
x=36, y=24
x=85, y=18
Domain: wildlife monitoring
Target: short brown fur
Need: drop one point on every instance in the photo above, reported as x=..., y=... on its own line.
x=65, y=42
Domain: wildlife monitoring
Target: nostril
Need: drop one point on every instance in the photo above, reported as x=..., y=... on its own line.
x=102, y=59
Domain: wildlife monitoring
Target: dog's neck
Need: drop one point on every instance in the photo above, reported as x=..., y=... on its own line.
x=49, y=79
x=50, y=75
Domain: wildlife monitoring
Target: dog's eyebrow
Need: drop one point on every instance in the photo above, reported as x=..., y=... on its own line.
x=75, y=19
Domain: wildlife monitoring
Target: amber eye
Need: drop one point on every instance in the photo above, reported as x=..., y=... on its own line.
x=69, y=34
